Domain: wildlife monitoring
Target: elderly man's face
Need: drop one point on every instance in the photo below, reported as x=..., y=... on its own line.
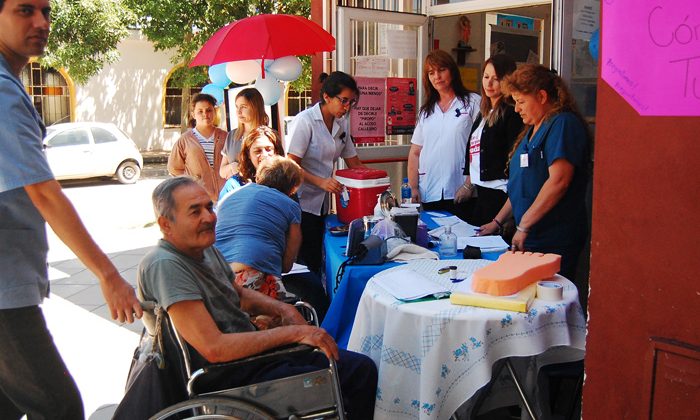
x=192, y=228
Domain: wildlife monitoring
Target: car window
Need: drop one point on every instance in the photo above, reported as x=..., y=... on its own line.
x=102, y=136
x=70, y=138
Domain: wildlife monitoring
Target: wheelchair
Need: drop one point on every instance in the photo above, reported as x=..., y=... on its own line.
x=312, y=395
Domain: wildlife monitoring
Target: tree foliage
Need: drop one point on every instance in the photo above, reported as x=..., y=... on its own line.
x=184, y=26
x=85, y=35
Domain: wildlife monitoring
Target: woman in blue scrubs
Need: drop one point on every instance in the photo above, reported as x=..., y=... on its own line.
x=548, y=169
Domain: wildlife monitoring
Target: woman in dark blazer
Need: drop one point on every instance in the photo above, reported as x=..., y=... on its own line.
x=493, y=134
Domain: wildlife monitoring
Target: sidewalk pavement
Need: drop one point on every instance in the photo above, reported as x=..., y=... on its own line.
x=96, y=349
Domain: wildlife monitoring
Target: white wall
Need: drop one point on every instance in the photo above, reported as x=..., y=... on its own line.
x=129, y=93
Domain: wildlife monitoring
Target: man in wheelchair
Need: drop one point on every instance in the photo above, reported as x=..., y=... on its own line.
x=190, y=279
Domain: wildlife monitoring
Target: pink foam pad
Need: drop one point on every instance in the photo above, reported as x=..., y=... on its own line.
x=514, y=271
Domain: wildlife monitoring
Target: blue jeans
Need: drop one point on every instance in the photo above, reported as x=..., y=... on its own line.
x=33, y=378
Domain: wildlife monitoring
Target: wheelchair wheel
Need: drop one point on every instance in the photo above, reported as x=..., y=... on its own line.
x=213, y=408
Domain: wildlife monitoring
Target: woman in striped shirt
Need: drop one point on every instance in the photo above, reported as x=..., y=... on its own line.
x=198, y=151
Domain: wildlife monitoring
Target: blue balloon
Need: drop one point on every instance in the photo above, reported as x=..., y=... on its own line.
x=217, y=75
x=216, y=91
x=594, y=44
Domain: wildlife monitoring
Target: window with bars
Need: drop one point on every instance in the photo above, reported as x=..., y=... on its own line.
x=49, y=92
x=298, y=101
x=407, y=6
x=177, y=103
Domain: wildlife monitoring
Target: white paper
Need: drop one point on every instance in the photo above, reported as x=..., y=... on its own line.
x=448, y=220
x=297, y=269
x=371, y=66
x=405, y=284
x=435, y=215
x=461, y=229
x=586, y=19
x=490, y=243
x=401, y=43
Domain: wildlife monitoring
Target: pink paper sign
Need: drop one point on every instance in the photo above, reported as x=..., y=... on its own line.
x=367, y=117
x=651, y=54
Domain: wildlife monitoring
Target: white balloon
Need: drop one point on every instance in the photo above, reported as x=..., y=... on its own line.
x=270, y=89
x=286, y=68
x=242, y=72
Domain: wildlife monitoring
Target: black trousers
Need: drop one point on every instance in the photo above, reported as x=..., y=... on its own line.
x=308, y=287
x=487, y=204
x=311, y=252
x=33, y=378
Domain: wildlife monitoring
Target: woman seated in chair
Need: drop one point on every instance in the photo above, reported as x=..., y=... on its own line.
x=261, y=143
x=258, y=229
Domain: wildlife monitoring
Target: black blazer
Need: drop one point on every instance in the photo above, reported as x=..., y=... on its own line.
x=496, y=143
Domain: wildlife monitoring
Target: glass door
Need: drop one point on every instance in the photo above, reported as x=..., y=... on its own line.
x=384, y=49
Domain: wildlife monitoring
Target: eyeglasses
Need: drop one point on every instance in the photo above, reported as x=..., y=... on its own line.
x=346, y=101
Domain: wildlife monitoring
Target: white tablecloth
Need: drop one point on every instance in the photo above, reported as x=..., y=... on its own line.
x=433, y=356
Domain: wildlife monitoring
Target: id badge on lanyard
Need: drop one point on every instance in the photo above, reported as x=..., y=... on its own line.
x=524, y=161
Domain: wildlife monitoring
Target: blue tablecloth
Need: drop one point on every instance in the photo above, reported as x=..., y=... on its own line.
x=341, y=313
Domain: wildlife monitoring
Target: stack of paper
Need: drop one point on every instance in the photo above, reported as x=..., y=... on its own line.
x=406, y=285
x=486, y=243
x=519, y=302
x=459, y=227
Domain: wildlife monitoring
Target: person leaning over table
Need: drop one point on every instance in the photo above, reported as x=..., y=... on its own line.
x=250, y=110
x=436, y=159
x=259, y=218
x=319, y=136
x=198, y=151
x=548, y=169
x=493, y=135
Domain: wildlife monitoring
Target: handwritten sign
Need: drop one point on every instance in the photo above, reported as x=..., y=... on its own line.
x=367, y=117
x=651, y=54
x=371, y=66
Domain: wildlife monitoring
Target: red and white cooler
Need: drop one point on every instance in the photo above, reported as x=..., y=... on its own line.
x=361, y=187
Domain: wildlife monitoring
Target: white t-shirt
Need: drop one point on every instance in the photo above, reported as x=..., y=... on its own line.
x=443, y=137
x=475, y=162
x=318, y=149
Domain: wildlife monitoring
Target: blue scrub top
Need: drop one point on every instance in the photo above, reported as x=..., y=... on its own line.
x=562, y=136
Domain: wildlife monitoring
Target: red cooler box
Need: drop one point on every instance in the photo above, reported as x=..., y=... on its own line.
x=362, y=187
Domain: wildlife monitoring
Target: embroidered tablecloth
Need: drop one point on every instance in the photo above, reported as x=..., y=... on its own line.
x=433, y=356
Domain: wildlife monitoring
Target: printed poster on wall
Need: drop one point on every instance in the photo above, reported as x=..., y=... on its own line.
x=400, y=105
x=367, y=117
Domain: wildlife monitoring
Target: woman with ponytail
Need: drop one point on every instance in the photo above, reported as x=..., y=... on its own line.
x=548, y=169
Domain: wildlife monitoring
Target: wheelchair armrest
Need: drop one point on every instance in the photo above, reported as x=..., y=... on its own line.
x=210, y=372
x=270, y=355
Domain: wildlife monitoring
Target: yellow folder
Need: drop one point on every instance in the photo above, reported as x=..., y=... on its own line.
x=519, y=302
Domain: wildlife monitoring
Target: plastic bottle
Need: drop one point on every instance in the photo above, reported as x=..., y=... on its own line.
x=405, y=192
x=448, y=244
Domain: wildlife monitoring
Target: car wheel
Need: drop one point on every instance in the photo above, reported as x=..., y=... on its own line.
x=128, y=172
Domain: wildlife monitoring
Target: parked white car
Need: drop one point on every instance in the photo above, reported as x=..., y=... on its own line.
x=91, y=149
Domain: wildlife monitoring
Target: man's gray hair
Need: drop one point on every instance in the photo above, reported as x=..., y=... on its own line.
x=163, y=202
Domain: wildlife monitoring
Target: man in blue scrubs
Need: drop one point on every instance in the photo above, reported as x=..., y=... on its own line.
x=33, y=378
